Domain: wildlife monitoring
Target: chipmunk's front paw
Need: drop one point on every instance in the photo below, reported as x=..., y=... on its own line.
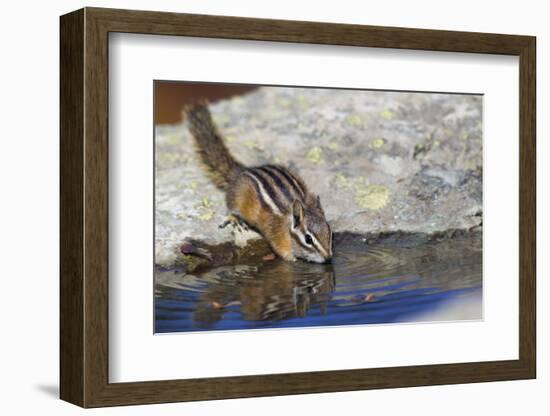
x=288, y=257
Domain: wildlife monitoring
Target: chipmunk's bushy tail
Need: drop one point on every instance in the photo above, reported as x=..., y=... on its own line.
x=222, y=168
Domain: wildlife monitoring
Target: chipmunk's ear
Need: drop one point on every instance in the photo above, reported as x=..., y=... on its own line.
x=297, y=213
x=318, y=203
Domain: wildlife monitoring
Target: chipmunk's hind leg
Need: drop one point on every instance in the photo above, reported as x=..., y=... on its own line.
x=242, y=231
x=236, y=222
x=243, y=201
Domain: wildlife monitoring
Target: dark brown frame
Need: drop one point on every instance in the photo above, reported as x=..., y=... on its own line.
x=84, y=207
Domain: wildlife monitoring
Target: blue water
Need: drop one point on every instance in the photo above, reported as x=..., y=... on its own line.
x=366, y=284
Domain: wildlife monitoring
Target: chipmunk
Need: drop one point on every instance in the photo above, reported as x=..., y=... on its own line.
x=269, y=199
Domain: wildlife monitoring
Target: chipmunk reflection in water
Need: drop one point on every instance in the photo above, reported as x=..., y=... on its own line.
x=280, y=292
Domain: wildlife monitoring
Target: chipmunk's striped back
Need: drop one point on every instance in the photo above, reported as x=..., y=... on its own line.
x=277, y=187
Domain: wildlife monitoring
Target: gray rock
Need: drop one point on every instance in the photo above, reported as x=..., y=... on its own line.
x=381, y=162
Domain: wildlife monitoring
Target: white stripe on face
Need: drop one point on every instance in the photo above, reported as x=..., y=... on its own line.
x=318, y=245
x=265, y=196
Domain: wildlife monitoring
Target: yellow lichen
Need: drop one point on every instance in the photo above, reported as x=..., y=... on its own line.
x=355, y=184
x=302, y=102
x=206, y=203
x=206, y=209
x=378, y=143
x=333, y=146
x=237, y=100
x=173, y=140
x=387, y=114
x=221, y=119
x=207, y=215
x=340, y=179
x=251, y=144
x=315, y=155
x=355, y=120
x=170, y=158
x=373, y=197
x=366, y=196
x=192, y=186
x=230, y=139
x=283, y=102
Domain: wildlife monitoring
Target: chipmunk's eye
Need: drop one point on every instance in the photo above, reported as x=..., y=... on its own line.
x=309, y=240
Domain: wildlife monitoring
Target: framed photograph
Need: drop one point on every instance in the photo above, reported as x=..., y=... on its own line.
x=257, y=207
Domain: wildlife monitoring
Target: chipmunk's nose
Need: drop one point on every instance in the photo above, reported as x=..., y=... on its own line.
x=328, y=260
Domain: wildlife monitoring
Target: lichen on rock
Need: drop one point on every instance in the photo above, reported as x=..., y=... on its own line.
x=373, y=197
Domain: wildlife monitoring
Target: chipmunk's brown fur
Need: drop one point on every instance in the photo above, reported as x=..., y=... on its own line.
x=271, y=199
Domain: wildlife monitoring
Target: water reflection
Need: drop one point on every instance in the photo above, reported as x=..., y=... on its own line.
x=365, y=284
x=277, y=291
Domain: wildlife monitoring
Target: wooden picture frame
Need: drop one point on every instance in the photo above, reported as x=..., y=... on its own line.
x=84, y=207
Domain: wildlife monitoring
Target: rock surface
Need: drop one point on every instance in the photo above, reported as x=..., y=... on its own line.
x=382, y=162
